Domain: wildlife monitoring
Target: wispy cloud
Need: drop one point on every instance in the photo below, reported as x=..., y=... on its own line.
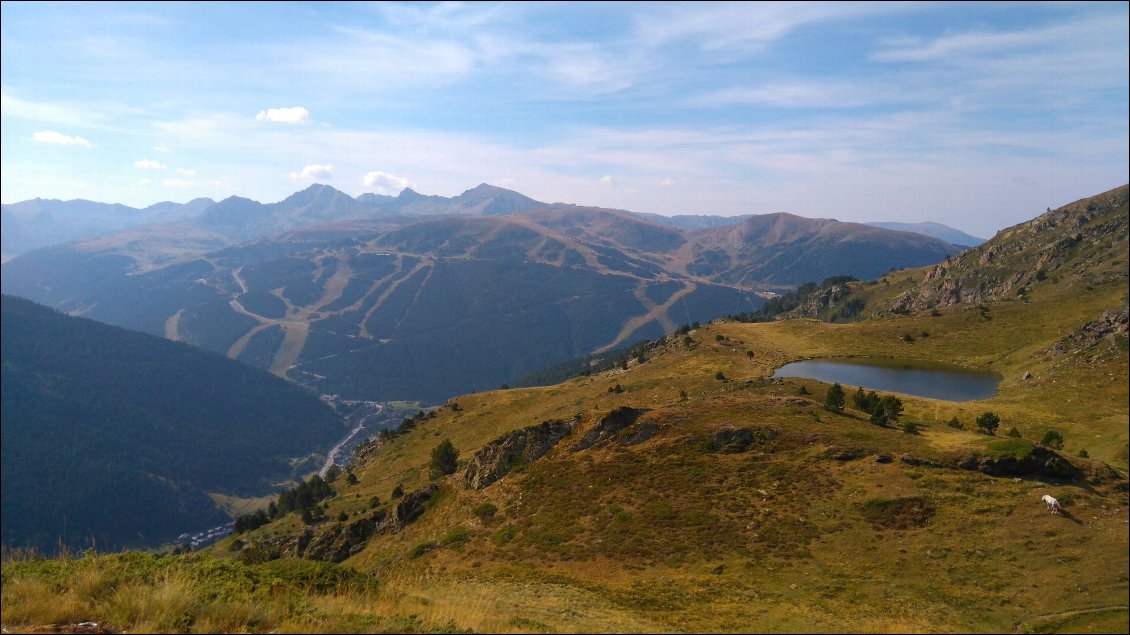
x=149, y=164
x=160, y=147
x=186, y=172
x=58, y=138
x=810, y=94
x=177, y=183
x=313, y=171
x=295, y=115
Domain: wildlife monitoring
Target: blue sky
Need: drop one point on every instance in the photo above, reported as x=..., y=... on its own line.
x=974, y=115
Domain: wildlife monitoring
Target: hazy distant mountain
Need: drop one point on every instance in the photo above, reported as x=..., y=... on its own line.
x=935, y=230
x=790, y=250
x=243, y=219
x=693, y=221
x=40, y=222
x=483, y=200
x=118, y=436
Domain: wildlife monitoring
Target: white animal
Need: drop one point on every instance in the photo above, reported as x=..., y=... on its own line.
x=1052, y=503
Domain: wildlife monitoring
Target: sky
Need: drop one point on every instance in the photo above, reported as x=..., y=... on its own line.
x=978, y=116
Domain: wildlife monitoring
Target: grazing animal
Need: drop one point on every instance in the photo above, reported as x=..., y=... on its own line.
x=1052, y=503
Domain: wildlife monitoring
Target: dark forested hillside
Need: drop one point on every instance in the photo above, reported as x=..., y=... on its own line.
x=118, y=436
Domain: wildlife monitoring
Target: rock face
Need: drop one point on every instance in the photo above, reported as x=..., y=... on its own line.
x=612, y=423
x=498, y=457
x=1073, y=241
x=1108, y=328
x=340, y=541
x=408, y=509
x=733, y=440
x=1038, y=462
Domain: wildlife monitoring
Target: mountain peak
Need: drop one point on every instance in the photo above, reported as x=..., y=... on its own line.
x=316, y=192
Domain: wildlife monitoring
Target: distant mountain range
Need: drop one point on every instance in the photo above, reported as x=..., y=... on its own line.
x=422, y=297
x=38, y=223
x=119, y=436
x=936, y=230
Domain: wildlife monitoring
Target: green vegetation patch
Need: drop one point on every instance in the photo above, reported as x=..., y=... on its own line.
x=1014, y=447
x=899, y=513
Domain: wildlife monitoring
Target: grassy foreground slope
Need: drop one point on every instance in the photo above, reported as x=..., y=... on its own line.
x=732, y=503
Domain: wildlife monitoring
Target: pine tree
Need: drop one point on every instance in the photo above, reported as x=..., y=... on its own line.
x=445, y=459
x=988, y=422
x=835, y=399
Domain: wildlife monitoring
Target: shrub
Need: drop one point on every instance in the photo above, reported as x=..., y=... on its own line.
x=504, y=535
x=910, y=428
x=1014, y=433
x=485, y=510
x=456, y=537
x=989, y=422
x=398, y=491
x=720, y=376
x=1052, y=439
x=955, y=424
x=1083, y=454
x=422, y=548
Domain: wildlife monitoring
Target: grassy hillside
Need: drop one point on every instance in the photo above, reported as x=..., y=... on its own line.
x=697, y=492
x=821, y=521
x=117, y=437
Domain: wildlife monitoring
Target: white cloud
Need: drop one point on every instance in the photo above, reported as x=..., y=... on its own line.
x=297, y=114
x=314, y=171
x=186, y=172
x=148, y=164
x=160, y=147
x=144, y=182
x=607, y=180
x=506, y=182
x=380, y=182
x=57, y=138
x=667, y=181
x=176, y=183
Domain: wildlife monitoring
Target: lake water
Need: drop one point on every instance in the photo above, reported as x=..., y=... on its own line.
x=936, y=381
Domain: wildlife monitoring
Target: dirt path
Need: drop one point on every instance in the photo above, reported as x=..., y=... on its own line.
x=241, y=343
x=172, y=326
x=657, y=313
x=384, y=296
x=294, y=341
x=235, y=273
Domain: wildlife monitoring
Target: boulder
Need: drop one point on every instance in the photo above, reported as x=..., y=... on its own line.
x=609, y=425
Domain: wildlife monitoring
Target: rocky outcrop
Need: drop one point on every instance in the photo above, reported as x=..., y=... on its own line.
x=734, y=440
x=340, y=540
x=498, y=457
x=1067, y=242
x=1107, y=329
x=408, y=509
x=608, y=426
x=643, y=432
x=1039, y=461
